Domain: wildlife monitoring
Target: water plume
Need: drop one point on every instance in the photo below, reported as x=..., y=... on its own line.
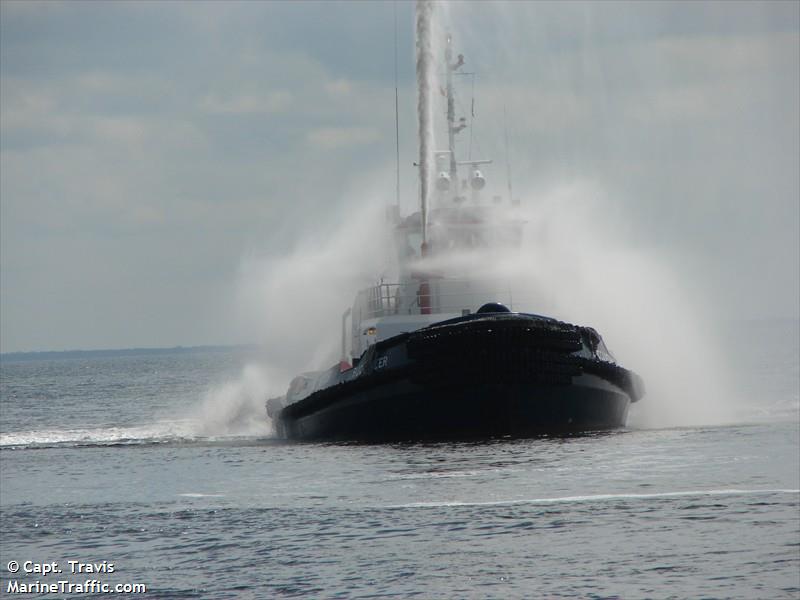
x=425, y=85
x=584, y=258
x=579, y=262
x=235, y=408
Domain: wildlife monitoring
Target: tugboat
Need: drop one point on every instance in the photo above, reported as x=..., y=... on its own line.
x=421, y=365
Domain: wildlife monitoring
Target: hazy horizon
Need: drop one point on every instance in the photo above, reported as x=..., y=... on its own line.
x=719, y=328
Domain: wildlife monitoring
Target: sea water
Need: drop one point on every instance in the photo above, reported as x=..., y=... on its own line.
x=159, y=469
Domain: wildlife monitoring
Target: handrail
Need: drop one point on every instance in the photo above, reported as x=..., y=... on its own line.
x=387, y=299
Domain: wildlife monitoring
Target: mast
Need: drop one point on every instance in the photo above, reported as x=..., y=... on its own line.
x=424, y=14
x=396, y=117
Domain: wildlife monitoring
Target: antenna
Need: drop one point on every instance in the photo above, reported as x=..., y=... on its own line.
x=471, y=114
x=508, y=157
x=450, y=66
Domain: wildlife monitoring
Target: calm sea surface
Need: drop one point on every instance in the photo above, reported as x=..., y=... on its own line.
x=162, y=464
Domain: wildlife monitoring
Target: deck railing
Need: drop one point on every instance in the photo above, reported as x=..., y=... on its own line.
x=446, y=296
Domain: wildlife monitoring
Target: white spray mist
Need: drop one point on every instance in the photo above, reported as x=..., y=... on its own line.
x=580, y=256
x=291, y=305
x=236, y=408
x=576, y=265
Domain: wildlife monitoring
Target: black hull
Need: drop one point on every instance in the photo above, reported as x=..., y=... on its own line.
x=404, y=410
x=482, y=376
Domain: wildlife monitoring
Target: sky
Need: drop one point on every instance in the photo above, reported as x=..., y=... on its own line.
x=151, y=152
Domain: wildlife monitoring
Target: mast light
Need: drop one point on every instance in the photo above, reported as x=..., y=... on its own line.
x=478, y=181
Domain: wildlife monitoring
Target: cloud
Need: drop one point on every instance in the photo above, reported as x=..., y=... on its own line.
x=245, y=104
x=329, y=138
x=174, y=138
x=339, y=87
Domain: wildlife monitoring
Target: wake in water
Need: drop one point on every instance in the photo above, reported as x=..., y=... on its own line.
x=227, y=412
x=98, y=436
x=606, y=497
